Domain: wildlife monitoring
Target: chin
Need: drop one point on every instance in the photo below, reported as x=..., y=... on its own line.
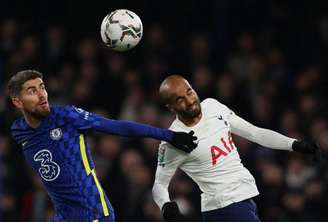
x=193, y=114
x=46, y=112
x=43, y=112
x=196, y=112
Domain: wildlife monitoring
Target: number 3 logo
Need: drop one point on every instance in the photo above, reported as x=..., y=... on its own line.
x=48, y=170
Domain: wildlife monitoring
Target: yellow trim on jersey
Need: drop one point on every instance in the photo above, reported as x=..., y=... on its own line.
x=95, y=221
x=84, y=155
x=101, y=193
x=88, y=171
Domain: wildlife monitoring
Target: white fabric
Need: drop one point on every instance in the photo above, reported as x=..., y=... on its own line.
x=264, y=137
x=215, y=164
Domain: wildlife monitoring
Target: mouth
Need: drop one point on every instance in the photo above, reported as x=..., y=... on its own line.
x=43, y=103
x=193, y=107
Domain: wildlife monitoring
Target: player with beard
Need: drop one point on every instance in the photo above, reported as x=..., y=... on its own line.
x=215, y=165
x=54, y=143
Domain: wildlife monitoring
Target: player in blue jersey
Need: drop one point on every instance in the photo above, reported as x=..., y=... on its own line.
x=54, y=143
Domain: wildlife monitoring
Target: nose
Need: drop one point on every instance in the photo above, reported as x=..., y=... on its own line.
x=41, y=93
x=190, y=100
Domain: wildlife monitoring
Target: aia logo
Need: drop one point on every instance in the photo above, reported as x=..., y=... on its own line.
x=227, y=147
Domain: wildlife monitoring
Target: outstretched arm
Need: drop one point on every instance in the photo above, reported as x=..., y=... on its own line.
x=84, y=120
x=131, y=129
x=180, y=140
x=264, y=137
x=272, y=139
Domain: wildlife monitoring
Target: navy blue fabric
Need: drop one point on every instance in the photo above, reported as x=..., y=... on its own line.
x=244, y=211
x=55, y=151
x=131, y=129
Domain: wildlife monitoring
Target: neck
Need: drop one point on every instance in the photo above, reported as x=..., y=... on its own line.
x=32, y=120
x=190, y=121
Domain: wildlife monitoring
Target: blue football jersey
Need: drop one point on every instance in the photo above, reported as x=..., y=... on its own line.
x=57, y=150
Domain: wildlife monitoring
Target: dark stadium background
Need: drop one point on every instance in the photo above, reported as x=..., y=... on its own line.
x=266, y=60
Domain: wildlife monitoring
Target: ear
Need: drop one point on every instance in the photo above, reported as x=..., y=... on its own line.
x=170, y=108
x=17, y=102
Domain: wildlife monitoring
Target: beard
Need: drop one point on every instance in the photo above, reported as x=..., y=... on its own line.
x=37, y=113
x=191, y=113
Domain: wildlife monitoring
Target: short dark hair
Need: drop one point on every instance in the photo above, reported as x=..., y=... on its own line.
x=16, y=81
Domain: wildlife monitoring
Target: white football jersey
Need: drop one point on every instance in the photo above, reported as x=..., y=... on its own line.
x=214, y=165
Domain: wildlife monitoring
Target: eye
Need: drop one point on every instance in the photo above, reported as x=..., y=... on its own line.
x=179, y=100
x=31, y=91
x=190, y=91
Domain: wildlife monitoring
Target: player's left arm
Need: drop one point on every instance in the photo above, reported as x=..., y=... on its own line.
x=270, y=138
x=85, y=120
x=180, y=140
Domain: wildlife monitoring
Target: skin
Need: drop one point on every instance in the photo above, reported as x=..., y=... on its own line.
x=180, y=98
x=32, y=101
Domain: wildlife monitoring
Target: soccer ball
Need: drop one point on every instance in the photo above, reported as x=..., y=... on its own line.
x=121, y=30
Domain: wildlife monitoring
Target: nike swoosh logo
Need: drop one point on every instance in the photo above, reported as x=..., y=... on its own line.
x=24, y=143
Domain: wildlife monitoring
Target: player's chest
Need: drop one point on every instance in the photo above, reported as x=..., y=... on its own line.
x=214, y=140
x=50, y=145
x=210, y=128
x=51, y=138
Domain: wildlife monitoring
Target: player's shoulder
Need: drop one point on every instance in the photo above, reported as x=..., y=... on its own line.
x=212, y=106
x=168, y=150
x=18, y=124
x=62, y=109
x=20, y=130
x=211, y=102
x=177, y=125
x=66, y=111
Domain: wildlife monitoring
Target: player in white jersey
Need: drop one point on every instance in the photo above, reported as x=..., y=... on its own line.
x=215, y=164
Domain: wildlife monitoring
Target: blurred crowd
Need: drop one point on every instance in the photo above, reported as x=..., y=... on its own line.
x=266, y=60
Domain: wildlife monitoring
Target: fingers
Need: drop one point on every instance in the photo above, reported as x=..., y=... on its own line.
x=193, y=145
x=191, y=133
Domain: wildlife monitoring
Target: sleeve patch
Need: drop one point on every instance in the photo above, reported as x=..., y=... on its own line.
x=85, y=114
x=161, y=156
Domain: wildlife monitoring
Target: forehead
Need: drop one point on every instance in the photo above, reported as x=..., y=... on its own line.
x=32, y=83
x=179, y=88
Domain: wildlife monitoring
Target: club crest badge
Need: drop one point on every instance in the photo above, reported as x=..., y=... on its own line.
x=56, y=134
x=161, y=157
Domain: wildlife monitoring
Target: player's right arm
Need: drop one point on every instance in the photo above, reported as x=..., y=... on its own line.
x=169, y=160
x=264, y=137
x=84, y=120
x=270, y=138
